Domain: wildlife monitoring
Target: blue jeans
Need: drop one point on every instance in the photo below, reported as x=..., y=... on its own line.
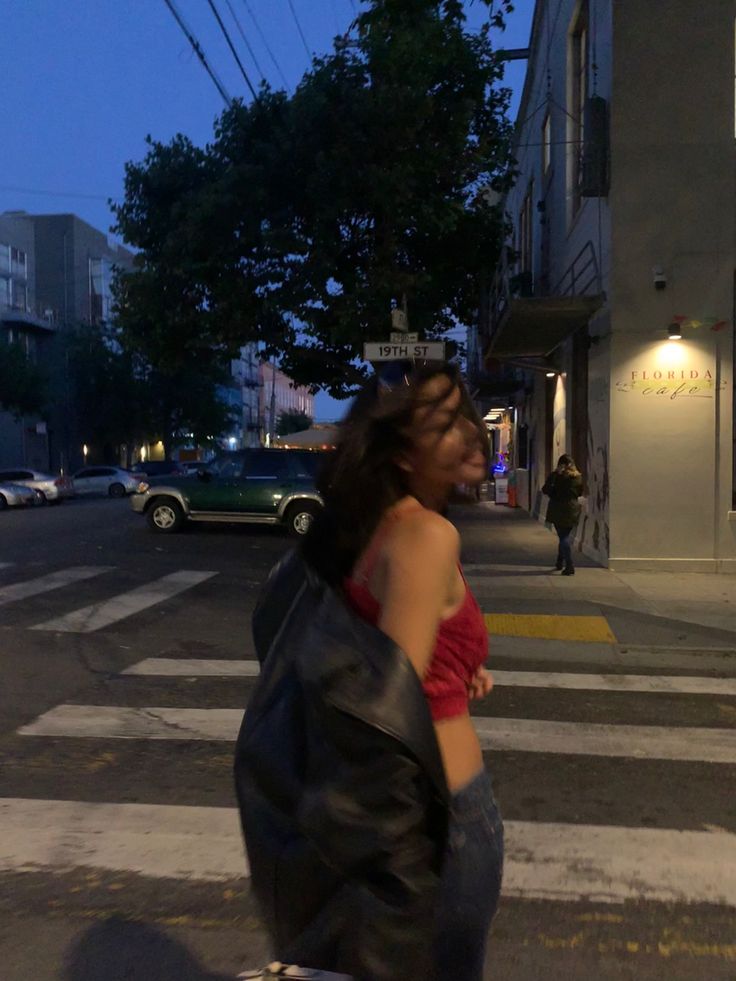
x=471, y=882
x=564, y=552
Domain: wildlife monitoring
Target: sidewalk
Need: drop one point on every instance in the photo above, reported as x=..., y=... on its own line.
x=508, y=557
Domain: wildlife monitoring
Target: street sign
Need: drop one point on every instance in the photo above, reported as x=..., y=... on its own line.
x=423, y=351
x=399, y=337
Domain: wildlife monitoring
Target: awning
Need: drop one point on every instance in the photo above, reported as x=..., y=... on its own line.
x=532, y=327
x=10, y=316
x=314, y=438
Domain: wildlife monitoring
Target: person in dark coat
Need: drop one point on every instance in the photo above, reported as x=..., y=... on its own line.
x=564, y=486
x=374, y=840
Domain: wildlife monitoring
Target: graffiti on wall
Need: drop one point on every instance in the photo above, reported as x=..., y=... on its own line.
x=594, y=530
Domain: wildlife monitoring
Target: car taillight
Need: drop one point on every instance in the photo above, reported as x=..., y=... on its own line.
x=59, y=482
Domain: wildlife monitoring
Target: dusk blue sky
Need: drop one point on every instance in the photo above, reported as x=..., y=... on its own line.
x=86, y=80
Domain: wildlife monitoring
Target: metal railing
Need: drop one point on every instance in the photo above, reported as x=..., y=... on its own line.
x=581, y=278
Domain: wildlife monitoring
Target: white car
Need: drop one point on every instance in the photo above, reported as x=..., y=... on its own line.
x=113, y=481
x=50, y=489
x=17, y=496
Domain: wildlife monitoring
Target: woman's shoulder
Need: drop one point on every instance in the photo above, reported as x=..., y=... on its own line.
x=423, y=533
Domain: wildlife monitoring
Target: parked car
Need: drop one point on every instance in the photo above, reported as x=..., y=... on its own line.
x=17, y=496
x=273, y=487
x=51, y=490
x=113, y=481
x=160, y=468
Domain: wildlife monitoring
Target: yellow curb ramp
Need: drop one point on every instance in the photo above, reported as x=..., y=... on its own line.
x=590, y=629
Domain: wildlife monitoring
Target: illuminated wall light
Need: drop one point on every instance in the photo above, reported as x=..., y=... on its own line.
x=551, y=374
x=674, y=332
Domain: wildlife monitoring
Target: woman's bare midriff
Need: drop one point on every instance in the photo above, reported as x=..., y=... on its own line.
x=460, y=749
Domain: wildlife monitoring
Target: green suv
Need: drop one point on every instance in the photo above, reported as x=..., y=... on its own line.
x=272, y=487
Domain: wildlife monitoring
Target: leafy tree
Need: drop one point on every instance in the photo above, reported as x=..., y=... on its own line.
x=23, y=386
x=120, y=398
x=293, y=422
x=308, y=217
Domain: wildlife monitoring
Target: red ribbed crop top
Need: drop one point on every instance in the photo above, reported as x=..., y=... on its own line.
x=460, y=649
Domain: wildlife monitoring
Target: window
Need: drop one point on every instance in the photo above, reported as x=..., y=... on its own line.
x=4, y=291
x=4, y=258
x=20, y=295
x=578, y=90
x=266, y=465
x=526, y=242
x=18, y=263
x=546, y=144
x=100, y=290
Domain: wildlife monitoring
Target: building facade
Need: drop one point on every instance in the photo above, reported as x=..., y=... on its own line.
x=26, y=323
x=608, y=333
x=69, y=271
x=278, y=394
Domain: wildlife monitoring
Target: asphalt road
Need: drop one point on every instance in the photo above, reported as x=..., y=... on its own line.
x=119, y=854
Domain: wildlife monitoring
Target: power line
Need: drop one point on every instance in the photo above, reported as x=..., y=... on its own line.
x=299, y=28
x=265, y=43
x=53, y=194
x=245, y=39
x=197, y=48
x=230, y=45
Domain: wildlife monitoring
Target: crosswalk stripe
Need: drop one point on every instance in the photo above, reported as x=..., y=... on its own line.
x=563, y=862
x=649, y=684
x=54, y=580
x=183, y=667
x=99, y=615
x=158, y=840
x=521, y=735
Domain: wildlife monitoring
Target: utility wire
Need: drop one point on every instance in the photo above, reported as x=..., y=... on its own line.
x=266, y=44
x=299, y=28
x=245, y=39
x=230, y=44
x=197, y=48
x=53, y=194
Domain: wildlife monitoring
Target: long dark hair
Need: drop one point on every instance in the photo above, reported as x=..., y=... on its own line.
x=566, y=465
x=362, y=479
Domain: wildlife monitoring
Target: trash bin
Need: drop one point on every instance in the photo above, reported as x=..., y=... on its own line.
x=502, y=490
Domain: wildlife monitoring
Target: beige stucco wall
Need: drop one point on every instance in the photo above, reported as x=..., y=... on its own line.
x=673, y=204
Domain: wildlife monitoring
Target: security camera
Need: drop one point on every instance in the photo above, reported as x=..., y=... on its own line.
x=659, y=278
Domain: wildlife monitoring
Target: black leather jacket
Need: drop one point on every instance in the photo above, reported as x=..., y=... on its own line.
x=341, y=788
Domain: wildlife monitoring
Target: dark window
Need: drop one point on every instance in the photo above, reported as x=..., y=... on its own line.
x=305, y=466
x=578, y=63
x=267, y=464
x=16, y=475
x=82, y=474
x=546, y=144
x=229, y=467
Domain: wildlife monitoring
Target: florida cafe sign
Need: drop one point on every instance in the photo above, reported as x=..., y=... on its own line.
x=670, y=383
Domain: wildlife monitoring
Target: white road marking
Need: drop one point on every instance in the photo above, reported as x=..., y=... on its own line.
x=649, y=684
x=158, y=840
x=118, y=722
x=521, y=735
x=602, y=864
x=54, y=580
x=186, y=667
x=563, y=862
x=659, y=684
x=99, y=615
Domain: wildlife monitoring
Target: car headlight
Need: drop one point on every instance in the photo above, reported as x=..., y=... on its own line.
x=142, y=487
